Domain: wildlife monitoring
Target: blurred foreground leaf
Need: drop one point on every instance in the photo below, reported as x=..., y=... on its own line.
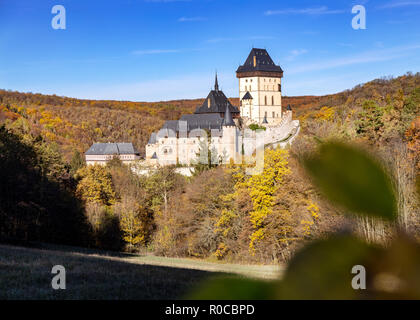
x=350, y=178
x=322, y=269
x=233, y=288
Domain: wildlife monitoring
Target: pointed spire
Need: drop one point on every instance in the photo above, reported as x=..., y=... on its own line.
x=265, y=119
x=216, y=83
x=228, y=121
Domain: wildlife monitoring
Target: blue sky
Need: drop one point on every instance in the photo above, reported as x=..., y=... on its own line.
x=152, y=50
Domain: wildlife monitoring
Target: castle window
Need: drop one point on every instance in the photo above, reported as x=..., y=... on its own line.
x=274, y=115
x=279, y=87
x=272, y=102
x=167, y=151
x=265, y=100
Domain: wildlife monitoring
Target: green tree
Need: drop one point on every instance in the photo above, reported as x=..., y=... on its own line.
x=77, y=162
x=207, y=157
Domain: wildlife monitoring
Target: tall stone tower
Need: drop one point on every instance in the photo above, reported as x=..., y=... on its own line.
x=260, y=88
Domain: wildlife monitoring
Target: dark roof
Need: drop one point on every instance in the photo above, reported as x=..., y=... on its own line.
x=247, y=96
x=228, y=121
x=152, y=139
x=218, y=102
x=112, y=148
x=203, y=121
x=263, y=62
x=171, y=124
x=189, y=122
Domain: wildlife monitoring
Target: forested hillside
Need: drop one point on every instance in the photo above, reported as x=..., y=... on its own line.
x=221, y=212
x=76, y=124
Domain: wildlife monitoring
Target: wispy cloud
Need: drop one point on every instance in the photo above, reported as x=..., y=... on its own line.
x=364, y=57
x=222, y=39
x=305, y=11
x=155, y=51
x=399, y=4
x=166, y=1
x=188, y=86
x=310, y=32
x=345, y=44
x=191, y=19
x=295, y=53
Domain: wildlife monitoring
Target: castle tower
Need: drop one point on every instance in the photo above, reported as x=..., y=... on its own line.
x=228, y=147
x=260, y=87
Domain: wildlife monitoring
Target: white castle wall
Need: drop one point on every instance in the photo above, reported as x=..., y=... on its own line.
x=172, y=150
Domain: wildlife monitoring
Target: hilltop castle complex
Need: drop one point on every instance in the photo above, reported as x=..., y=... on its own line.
x=224, y=125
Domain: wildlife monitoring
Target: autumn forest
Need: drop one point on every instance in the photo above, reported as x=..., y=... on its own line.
x=48, y=194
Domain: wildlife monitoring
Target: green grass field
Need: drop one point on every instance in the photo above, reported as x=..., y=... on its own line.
x=25, y=273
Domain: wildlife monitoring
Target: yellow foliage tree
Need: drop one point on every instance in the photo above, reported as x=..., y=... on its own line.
x=262, y=188
x=326, y=114
x=95, y=185
x=132, y=223
x=313, y=210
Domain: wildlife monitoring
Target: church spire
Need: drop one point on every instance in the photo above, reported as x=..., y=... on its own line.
x=216, y=84
x=228, y=120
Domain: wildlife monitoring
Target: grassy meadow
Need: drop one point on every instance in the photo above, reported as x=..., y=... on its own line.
x=25, y=273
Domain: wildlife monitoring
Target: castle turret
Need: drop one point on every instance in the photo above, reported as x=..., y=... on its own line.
x=228, y=120
x=265, y=120
x=260, y=78
x=229, y=143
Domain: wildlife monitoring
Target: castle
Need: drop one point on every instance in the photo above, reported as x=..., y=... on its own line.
x=224, y=126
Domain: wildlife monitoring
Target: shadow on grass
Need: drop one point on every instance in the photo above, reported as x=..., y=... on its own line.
x=25, y=273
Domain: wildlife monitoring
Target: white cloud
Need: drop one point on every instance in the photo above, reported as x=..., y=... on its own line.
x=191, y=19
x=167, y=1
x=295, y=53
x=399, y=4
x=344, y=44
x=365, y=57
x=216, y=40
x=155, y=51
x=306, y=11
x=190, y=86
